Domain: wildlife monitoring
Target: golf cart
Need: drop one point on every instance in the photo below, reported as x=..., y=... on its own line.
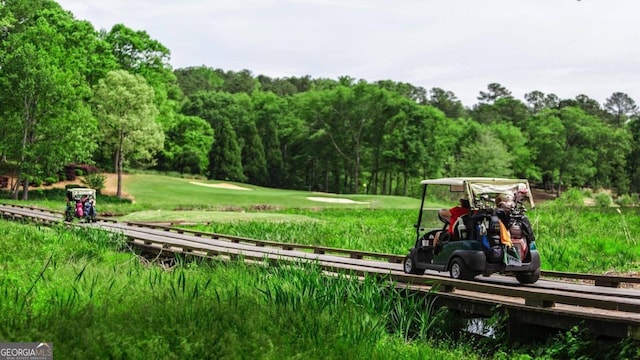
x=81, y=204
x=494, y=236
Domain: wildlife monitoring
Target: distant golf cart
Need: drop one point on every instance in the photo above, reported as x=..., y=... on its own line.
x=81, y=204
x=495, y=237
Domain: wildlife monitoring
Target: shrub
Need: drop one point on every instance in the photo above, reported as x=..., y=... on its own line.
x=74, y=170
x=50, y=180
x=571, y=197
x=603, y=199
x=625, y=200
x=95, y=181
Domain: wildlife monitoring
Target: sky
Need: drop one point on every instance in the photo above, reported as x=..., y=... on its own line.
x=564, y=47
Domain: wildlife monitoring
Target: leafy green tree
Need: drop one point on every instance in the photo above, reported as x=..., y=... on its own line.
x=447, y=102
x=238, y=81
x=494, y=92
x=254, y=163
x=225, y=161
x=199, y=78
x=633, y=158
x=502, y=110
x=269, y=109
x=137, y=53
x=188, y=142
x=415, y=93
x=566, y=144
x=538, y=101
x=482, y=154
x=620, y=108
x=45, y=122
x=123, y=104
x=220, y=110
x=342, y=115
x=515, y=143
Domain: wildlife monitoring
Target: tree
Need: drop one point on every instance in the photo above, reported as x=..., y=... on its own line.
x=343, y=115
x=225, y=161
x=137, y=53
x=503, y=110
x=188, y=142
x=447, y=102
x=484, y=155
x=200, y=78
x=123, y=104
x=495, y=92
x=538, y=101
x=220, y=109
x=620, y=107
x=567, y=143
x=269, y=110
x=45, y=122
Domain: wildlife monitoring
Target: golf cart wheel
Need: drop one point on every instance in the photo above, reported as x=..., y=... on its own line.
x=409, y=266
x=460, y=270
x=528, y=277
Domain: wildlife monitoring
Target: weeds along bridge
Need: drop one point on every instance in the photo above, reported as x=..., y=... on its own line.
x=597, y=303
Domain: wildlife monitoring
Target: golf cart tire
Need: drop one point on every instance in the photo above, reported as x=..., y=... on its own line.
x=409, y=266
x=459, y=270
x=528, y=277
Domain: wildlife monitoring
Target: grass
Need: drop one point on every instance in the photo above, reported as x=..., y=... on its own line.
x=73, y=289
x=79, y=290
x=169, y=193
x=569, y=238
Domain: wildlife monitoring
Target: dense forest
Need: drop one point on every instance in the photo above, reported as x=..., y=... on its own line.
x=71, y=94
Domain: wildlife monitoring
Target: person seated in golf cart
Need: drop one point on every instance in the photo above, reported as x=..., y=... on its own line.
x=455, y=217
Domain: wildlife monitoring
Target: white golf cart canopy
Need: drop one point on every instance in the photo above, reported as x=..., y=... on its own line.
x=78, y=193
x=474, y=187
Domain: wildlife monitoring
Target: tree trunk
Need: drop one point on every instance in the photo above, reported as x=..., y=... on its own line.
x=119, y=161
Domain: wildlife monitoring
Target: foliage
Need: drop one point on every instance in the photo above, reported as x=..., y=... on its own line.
x=333, y=135
x=45, y=122
x=75, y=288
x=603, y=199
x=95, y=181
x=124, y=105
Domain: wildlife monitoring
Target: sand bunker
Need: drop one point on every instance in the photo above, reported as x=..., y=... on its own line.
x=336, y=200
x=221, y=185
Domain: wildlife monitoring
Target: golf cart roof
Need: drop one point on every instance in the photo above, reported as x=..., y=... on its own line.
x=81, y=192
x=459, y=181
x=476, y=186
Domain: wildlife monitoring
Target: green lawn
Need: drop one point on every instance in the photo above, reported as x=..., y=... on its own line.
x=171, y=193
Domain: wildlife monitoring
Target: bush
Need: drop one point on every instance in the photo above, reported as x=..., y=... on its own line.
x=74, y=170
x=603, y=199
x=95, y=181
x=625, y=200
x=571, y=197
x=50, y=180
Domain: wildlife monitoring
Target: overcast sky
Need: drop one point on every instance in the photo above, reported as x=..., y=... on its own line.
x=565, y=47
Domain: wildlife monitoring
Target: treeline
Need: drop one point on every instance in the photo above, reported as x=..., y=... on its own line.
x=71, y=94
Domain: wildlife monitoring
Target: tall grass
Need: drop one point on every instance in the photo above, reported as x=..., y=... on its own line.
x=99, y=303
x=79, y=290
